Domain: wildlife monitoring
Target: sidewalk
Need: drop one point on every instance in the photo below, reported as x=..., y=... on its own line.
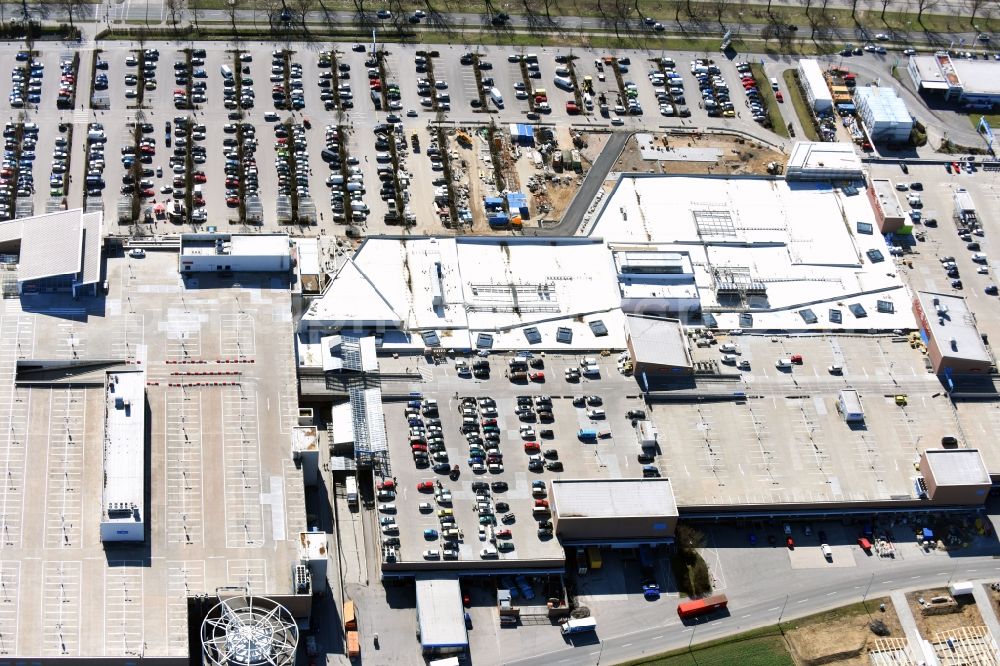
x=905, y=616
x=985, y=604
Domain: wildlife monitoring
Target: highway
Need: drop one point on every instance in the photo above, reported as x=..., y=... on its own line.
x=761, y=600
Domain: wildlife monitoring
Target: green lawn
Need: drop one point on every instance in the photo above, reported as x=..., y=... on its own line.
x=778, y=125
x=800, y=104
x=992, y=118
x=763, y=647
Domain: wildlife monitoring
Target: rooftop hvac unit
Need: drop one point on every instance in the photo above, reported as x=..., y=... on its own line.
x=301, y=579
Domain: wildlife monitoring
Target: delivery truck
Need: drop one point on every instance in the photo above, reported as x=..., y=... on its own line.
x=578, y=626
x=849, y=406
x=351, y=493
x=697, y=607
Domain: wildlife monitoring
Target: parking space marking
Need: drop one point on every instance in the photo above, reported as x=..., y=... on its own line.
x=64, y=466
x=17, y=340
x=129, y=336
x=236, y=335
x=295, y=499
x=123, y=603
x=288, y=403
x=241, y=468
x=185, y=578
x=10, y=606
x=184, y=487
x=71, y=341
x=61, y=607
x=251, y=574
x=809, y=432
x=183, y=333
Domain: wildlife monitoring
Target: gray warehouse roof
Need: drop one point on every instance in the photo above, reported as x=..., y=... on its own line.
x=659, y=341
x=957, y=467
x=613, y=498
x=440, y=616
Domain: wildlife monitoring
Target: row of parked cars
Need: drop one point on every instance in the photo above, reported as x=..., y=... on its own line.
x=16, y=178
x=238, y=97
x=150, y=57
x=668, y=86
x=289, y=148
x=334, y=84
x=26, y=82
x=291, y=96
x=66, y=97
x=60, y=157
x=240, y=170
x=715, y=97
x=750, y=86
x=198, y=82
x=94, y=179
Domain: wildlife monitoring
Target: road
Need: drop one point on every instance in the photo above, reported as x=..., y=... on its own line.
x=762, y=600
x=593, y=182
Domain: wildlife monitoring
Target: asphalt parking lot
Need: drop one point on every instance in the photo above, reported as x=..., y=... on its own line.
x=612, y=456
x=158, y=107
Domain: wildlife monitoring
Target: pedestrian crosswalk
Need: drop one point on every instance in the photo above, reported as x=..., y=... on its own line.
x=81, y=116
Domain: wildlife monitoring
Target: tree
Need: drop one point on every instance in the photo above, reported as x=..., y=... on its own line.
x=74, y=8
x=232, y=7
x=885, y=4
x=975, y=6
x=922, y=6
x=854, y=9
x=176, y=10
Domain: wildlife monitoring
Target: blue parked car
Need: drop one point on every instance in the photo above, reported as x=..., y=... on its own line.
x=430, y=534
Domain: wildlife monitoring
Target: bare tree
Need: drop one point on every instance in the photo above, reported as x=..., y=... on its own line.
x=854, y=9
x=922, y=6
x=885, y=5
x=719, y=9
x=359, y=9
x=176, y=10
x=975, y=6
x=232, y=7
x=73, y=9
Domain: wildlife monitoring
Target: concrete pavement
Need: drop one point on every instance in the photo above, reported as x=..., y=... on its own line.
x=905, y=615
x=985, y=604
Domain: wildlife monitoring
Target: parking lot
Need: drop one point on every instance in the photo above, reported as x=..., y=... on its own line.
x=321, y=97
x=217, y=495
x=504, y=456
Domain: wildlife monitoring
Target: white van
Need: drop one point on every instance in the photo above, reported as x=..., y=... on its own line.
x=783, y=363
x=227, y=71
x=729, y=359
x=729, y=348
x=588, y=360
x=489, y=552
x=774, y=83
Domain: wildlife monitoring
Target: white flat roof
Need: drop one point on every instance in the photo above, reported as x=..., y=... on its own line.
x=440, y=615
x=819, y=156
x=246, y=245
x=813, y=75
x=124, y=441
x=949, y=318
x=501, y=293
x=977, y=77
x=957, y=467
x=789, y=236
x=613, y=498
x=660, y=341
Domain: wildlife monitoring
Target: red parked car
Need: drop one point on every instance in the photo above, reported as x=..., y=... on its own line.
x=425, y=486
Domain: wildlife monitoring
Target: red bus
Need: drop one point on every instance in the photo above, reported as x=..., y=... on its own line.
x=704, y=606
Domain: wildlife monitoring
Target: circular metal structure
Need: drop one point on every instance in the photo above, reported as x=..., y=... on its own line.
x=249, y=631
